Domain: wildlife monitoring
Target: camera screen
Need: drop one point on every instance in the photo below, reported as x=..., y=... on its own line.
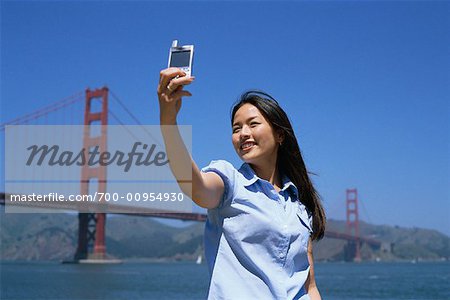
x=180, y=59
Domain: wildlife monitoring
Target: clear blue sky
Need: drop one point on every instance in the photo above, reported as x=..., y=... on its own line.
x=366, y=84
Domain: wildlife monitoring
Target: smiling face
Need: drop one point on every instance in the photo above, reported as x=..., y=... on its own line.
x=254, y=139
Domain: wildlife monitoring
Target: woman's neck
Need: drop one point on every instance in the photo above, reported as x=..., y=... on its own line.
x=269, y=172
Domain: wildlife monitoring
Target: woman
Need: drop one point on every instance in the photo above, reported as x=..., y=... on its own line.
x=262, y=217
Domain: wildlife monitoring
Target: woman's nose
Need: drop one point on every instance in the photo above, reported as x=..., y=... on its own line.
x=245, y=131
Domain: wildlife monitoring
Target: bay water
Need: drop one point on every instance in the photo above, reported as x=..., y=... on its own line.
x=187, y=280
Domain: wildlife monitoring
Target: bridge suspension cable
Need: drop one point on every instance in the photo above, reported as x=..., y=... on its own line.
x=42, y=112
x=71, y=100
x=121, y=123
x=138, y=122
x=365, y=212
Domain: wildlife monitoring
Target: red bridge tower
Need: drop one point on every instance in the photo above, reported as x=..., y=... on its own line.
x=91, y=226
x=353, y=220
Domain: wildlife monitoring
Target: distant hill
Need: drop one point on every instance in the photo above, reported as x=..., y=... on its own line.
x=54, y=237
x=398, y=243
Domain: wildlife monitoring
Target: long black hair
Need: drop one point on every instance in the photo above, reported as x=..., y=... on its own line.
x=289, y=159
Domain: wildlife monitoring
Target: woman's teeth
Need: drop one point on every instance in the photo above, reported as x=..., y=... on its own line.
x=247, y=145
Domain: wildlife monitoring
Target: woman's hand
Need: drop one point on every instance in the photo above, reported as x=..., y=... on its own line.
x=170, y=92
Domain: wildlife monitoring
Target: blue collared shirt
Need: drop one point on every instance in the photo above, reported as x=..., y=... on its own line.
x=256, y=239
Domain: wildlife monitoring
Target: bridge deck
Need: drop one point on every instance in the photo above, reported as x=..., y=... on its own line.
x=146, y=212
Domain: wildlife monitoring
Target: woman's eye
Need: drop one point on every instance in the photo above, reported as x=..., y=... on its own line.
x=235, y=129
x=253, y=124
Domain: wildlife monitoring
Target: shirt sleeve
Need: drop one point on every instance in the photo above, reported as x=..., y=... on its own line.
x=305, y=217
x=227, y=172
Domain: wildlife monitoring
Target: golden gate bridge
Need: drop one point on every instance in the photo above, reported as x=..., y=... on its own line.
x=91, y=226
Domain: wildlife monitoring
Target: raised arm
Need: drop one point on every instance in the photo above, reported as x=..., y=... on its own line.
x=207, y=188
x=310, y=284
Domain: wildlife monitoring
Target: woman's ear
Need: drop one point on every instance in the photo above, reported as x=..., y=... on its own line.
x=280, y=137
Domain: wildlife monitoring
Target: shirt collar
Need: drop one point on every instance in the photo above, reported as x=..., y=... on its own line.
x=288, y=184
x=249, y=175
x=250, y=178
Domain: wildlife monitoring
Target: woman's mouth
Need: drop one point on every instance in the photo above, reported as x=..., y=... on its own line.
x=247, y=146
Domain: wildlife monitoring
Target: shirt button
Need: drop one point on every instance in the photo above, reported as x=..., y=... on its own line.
x=284, y=226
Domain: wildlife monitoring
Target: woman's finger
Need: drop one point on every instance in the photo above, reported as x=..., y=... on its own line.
x=172, y=89
x=167, y=75
x=174, y=84
x=169, y=72
x=184, y=80
x=180, y=94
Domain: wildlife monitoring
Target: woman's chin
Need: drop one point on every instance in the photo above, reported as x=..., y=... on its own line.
x=250, y=159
